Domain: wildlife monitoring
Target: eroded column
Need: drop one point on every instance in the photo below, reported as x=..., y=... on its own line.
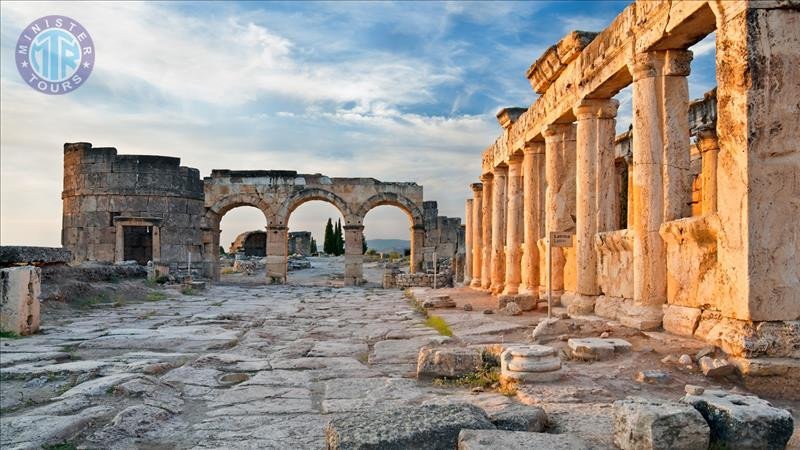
x=277, y=243
x=477, y=233
x=486, y=223
x=499, y=187
x=661, y=182
x=514, y=231
x=595, y=172
x=533, y=186
x=353, y=254
x=417, y=242
x=468, y=243
x=560, y=204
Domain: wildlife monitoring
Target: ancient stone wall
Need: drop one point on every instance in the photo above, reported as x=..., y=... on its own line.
x=252, y=243
x=444, y=236
x=300, y=243
x=119, y=207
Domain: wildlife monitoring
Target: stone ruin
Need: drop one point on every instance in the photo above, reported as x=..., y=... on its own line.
x=687, y=221
x=150, y=208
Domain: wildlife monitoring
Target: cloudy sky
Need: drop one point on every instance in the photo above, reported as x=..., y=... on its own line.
x=394, y=91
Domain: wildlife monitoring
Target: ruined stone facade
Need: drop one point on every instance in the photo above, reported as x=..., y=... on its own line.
x=130, y=207
x=300, y=243
x=444, y=236
x=688, y=221
x=251, y=243
x=149, y=208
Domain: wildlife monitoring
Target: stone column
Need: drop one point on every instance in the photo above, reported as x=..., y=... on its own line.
x=417, y=242
x=595, y=172
x=533, y=187
x=20, y=288
x=353, y=254
x=661, y=176
x=468, y=243
x=499, y=186
x=486, y=223
x=709, y=149
x=758, y=244
x=277, y=242
x=560, y=204
x=477, y=234
x=514, y=229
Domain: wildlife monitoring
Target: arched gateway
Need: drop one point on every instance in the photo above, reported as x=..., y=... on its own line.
x=151, y=209
x=277, y=193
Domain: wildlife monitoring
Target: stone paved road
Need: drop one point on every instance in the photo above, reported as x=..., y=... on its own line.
x=235, y=367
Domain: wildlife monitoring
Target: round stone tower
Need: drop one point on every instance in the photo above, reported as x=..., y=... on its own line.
x=130, y=207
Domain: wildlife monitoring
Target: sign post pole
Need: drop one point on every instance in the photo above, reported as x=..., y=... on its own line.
x=435, y=267
x=549, y=276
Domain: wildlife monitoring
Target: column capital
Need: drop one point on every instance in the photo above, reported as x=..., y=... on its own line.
x=557, y=132
x=596, y=108
x=515, y=159
x=486, y=177
x=500, y=171
x=707, y=139
x=533, y=147
x=661, y=63
x=476, y=187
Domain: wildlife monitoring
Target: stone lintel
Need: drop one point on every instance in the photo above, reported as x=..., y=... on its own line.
x=555, y=59
x=507, y=116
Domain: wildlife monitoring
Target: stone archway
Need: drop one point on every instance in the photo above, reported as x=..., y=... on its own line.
x=211, y=229
x=415, y=216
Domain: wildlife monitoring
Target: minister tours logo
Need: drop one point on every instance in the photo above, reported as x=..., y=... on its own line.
x=55, y=55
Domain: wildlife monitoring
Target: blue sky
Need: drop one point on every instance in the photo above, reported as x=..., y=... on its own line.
x=394, y=91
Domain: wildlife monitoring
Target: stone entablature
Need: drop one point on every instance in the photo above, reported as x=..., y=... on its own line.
x=692, y=208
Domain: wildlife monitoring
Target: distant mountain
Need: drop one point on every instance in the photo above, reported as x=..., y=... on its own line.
x=388, y=245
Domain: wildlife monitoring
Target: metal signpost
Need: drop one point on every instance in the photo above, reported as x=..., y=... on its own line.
x=556, y=239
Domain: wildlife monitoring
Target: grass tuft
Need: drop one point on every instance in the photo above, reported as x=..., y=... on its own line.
x=9, y=335
x=60, y=446
x=155, y=296
x=439, y=324
x=188, y=291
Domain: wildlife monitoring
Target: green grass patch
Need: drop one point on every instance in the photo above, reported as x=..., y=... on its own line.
x=155, y=296
x=188, y=291
x=60, y=446
x=439, y=324
x=9, y=335
x=216, y=304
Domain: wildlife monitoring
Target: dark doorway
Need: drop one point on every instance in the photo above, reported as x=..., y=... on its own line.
x=256, y=244
x=138, y=243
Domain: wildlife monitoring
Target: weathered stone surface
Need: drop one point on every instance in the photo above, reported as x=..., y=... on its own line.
x=137, y=420
x=743, y=422
x=447, y=362
x=647, y=424
x=428, y=426
x=517, y=440
x=529, y=364
x=16, y=254
x=512, y=309
x=717, y=367
x=525, y=302
x=439, y=301
x=652, y=376
x=520, y=418
x=597, y=348
x=681, y=320
x=607, y=306
x=19, y=299
x=36, y=431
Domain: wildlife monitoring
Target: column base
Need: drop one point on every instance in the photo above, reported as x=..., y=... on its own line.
x=526, y=302
x=556, y=296
x=578, y=304
x=497, y=290
x=641, y=317
x=475, y=283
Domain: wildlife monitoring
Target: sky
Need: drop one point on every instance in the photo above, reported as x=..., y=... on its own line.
x=395, y=91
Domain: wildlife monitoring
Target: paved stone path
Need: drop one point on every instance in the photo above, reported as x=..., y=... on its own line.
x=235, y=367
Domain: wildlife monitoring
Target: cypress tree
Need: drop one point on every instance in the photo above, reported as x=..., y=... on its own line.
x=329, y=246
x=313, y=246
x=363, y=244
x=338, y=239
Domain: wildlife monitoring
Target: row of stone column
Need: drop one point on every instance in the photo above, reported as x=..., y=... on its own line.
x=566, y=183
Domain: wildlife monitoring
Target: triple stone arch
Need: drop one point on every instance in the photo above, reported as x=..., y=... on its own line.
x=277, y=210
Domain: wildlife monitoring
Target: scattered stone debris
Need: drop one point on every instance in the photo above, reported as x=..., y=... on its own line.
x=434, y=427
x=512, y=309
x=652, y=376
x=743, y=422
x=439, y=301
x=467, y=307
x=649, y=424
x=530, y=363
x=488, y=311
x=694, y=390
x=717, y=367
x=520, y=418
x=685, y=360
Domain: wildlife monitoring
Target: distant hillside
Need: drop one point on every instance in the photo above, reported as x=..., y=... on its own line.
x=388, y=245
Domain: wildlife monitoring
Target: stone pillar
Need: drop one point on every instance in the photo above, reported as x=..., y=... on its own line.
x=499, y=186
x=277, y=242
x=477, y=234
x=417, y=242
x=661, y=176
x=595, y=172
x=758, y=246
x=19, y=299
x=468, y=243
x=533, y=193
x=211, y=253
x=353, y=254
x=514, y=231
x=709, y=150
x=560, y=204
x=486, y=223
